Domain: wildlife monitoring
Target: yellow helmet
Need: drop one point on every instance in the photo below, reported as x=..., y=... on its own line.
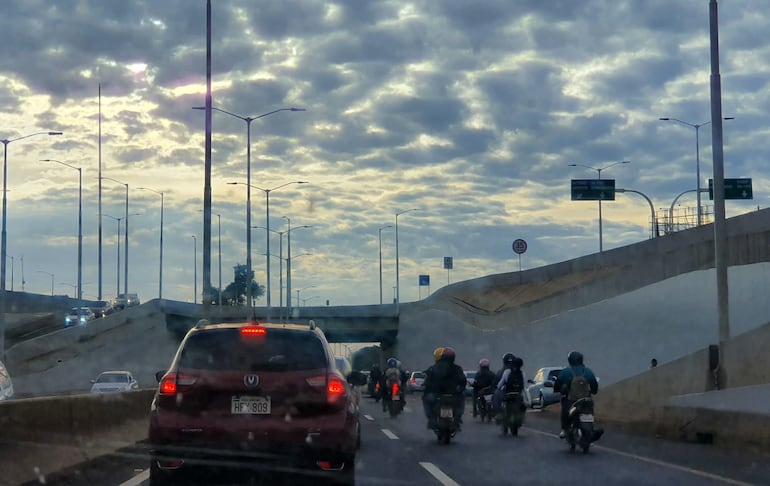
x=437, y=354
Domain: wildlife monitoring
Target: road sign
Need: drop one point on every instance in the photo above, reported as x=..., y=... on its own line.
x=424, y=280
x=734, y=189
x=448, y=263
x=593, y=189
x=519, y=246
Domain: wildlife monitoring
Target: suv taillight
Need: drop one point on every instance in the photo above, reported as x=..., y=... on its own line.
x=172, y=383
x=335, y=386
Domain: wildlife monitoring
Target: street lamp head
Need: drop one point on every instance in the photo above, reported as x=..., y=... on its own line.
x=198, y=107
x=297, y=109
x=664, y=119
x=55, y=133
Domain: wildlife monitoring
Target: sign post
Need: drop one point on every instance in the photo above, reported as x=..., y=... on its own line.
x=519, y=246
x=424, y=281
x=448, y=263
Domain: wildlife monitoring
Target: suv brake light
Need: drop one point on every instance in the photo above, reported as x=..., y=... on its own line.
x=253, y=331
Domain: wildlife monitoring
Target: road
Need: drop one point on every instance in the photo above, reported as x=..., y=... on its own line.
x=401, y=451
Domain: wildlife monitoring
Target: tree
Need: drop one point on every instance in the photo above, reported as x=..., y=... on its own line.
x=364, y=358
x=235, y=292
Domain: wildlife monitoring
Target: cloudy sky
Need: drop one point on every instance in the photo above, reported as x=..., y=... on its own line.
x=469, y=112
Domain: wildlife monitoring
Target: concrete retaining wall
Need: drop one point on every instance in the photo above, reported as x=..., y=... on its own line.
x=72, y=418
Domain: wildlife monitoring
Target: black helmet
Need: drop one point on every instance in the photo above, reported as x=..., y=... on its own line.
x=575, y=358
x=508, y=358
x=518, y=362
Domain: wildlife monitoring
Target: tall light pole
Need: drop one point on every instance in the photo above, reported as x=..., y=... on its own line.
x=379, y=231
x=398, y=294
x=125, y=252
x=300, y=290
x=219, y=242
x=248, y=120
x=117, y=271
x=3, y=243
x=12, y=266
x=697, y=153
x=599, y=171
x=160, y=266
x=267, y=225
x=288, y=263
x=80, y=230
x=195, y=269
x=49, y=274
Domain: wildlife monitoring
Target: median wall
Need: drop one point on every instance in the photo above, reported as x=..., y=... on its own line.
x=648, y=402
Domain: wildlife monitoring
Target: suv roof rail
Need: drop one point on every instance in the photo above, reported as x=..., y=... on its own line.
x=202, y=323
x=311, y=324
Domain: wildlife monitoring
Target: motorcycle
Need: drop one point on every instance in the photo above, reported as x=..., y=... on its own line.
x=446, y=426
x=484, y=404
x=513, y=412
x=396, y=402
x=581, y=431
x=377, y=393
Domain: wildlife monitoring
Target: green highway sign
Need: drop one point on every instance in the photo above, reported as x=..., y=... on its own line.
x=593, y=189
x=734, y=189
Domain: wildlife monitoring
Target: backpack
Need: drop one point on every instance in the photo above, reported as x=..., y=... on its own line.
x=515, y=382
x=579, y=388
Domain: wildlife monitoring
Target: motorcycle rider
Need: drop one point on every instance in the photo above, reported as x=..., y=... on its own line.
x=510, y=378
x=428, y=397
x=375, y=374
x=393, y=374
x=585, y=386
x=445, y=378
x=485, y=378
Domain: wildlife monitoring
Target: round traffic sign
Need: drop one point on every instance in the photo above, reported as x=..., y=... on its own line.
x=519, y=246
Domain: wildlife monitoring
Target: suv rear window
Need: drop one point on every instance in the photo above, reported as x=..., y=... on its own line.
x=418, y=375
x=227, y=350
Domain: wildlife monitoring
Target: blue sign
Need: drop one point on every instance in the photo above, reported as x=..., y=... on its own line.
x=424, y=280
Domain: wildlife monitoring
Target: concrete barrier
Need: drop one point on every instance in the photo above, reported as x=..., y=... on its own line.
x=72, y=419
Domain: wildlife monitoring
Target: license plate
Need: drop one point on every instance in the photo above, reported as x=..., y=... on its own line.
x=586, y=417
x=446, y=413
x=488, y=398
x=250, y=406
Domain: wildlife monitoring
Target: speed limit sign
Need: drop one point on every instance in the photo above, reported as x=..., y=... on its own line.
x=519, y=246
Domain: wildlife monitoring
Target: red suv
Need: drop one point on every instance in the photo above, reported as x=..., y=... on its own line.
x=266, y=398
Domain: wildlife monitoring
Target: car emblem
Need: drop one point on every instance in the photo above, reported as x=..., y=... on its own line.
x=251, y=381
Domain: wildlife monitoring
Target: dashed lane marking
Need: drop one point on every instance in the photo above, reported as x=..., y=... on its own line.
x=138, y=479
x=369, y=418
x=389, y=434
x=657, y=462
x=439, y=474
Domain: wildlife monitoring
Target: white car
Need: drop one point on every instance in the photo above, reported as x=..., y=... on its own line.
x=85, y=314
x=114, y=381
x=6, y=386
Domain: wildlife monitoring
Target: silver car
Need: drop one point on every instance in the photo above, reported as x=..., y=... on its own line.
x=114, y=381
x=6, y=386
x=542, y=396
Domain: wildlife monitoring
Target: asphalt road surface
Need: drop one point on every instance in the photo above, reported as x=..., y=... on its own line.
x=402, y=451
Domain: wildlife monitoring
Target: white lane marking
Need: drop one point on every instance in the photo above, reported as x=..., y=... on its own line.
x=369, y=418
x=657, y=462
x=389, y=434
x=138, y=479
x=408, y=409
x=439, y=474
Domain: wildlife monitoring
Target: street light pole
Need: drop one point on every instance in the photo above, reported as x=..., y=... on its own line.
x=80, y=231
x=696, y=126
x=51, y=275
x=117, y=284
x=267, y=225
x=219, y=242
x=300, y=290
x=599, y=171
x=160, y=269
x=379, y=231
x=248, y=120
x=195, y=269
x=398, y=294
x=288, y=264
x=125, y=252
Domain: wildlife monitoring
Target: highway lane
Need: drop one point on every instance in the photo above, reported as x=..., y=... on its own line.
x=402, y=451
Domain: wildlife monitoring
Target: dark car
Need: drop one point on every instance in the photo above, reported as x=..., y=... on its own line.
x=265, y=397
x=102, y=309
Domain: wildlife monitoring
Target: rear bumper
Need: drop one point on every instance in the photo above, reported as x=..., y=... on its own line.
x=298, y=443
